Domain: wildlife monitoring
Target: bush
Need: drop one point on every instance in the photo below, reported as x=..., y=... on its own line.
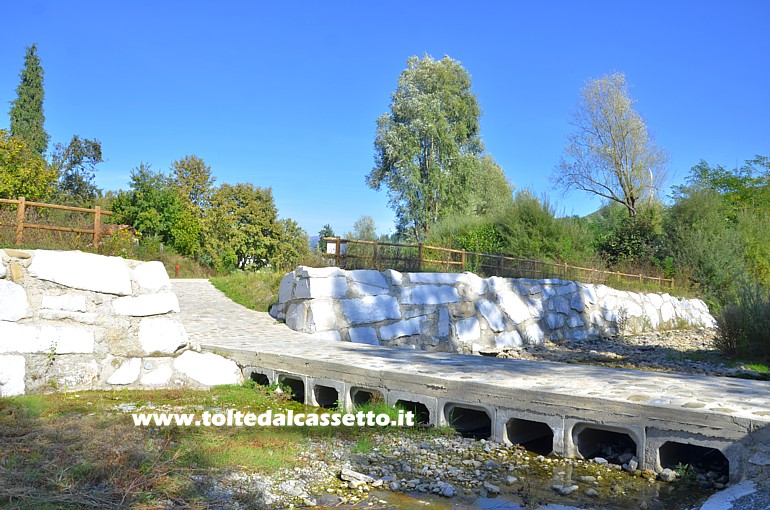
x=743, y=327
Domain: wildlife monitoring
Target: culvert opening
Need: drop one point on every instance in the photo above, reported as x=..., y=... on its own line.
x=420, y=410
x=297, y=387
x=608, y=444
x=326, y=396
x=534, y=436
x=260, y=379
x=469, y=422
x=360, y=396
x=702, y=460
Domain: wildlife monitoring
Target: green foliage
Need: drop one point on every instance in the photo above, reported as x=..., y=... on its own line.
x=23, y=172
x=241, y=226
x=293, y=246
x=488, y=189
x=629, y=240
x=192, y=178
x=428, y=144
x=527, y=228
x=326, y=231
x=610, y=153
x=363, y=229
x=75, y=165
x=27, y=117
x=744, y=325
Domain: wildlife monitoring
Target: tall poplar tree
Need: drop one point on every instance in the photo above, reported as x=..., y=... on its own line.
x=26, y=112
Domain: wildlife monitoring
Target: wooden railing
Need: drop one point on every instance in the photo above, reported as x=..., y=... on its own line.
x=358, y=254
x=22, y=205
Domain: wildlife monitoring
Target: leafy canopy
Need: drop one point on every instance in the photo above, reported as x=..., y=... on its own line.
x=428, y=144
x=23, y=172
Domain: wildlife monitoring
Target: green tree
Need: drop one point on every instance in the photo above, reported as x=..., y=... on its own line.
x=293, y=246
x=156, y=210
x=326, y=231
x=192, y=177
x=23, y=172
x=241, y=229
x=363, y=229
x=489, y=190
x=428, y=144
x=610, y=153
x=75, y=165
x=741, y=188
x=26, y=112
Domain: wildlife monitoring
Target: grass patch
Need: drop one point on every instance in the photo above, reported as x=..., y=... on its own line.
x=255, y=290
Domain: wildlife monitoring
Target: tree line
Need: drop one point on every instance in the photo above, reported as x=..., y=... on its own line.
x=225, y=227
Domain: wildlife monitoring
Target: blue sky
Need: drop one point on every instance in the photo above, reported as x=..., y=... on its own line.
x=286, y=94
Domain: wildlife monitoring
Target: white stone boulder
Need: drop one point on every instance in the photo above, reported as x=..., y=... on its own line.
x=401, y=329
x=34, y=339
x=13, y=301
x=157, y=377
x=208, y=368
x=468, y=330
x=127, y=373
x=86, y=271
x=364, y=336
x=146, y=304
x=161, y=334
x=65, y=302
x=492, y=314
x=513, y=306
x=429, y=295
x=370, y=309
x=151, y=277
x=368, y=282
x=12, y=372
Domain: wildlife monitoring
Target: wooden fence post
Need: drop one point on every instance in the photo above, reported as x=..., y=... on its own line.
x=462, y=258
x=419, y=257
x=97, y=226
x=376, y=264
x=337, y=255
x=20, y=221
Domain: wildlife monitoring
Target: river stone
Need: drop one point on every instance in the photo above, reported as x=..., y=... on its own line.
x=151, y=277
x=13, y=301
x=86, y=271
x=127, y=373
x=208, y=368
x=146, y=304
x=160, y=334
x=12, y=371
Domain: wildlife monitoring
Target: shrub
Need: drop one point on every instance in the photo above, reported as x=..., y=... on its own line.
x=743, y=327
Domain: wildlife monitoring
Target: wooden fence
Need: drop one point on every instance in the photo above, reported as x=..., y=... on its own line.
x=358, y=254
x=20, y=224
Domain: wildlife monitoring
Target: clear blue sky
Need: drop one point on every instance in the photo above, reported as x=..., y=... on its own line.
x=285, y=94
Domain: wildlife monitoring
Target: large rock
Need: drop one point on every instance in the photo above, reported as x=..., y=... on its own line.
x=161, y=334
x=370, y=309
x=157, y=377
x=400, y=329
x=85, y=271
x=146, y=304
x=492, y=314
x=151, y=277
x=429, y=295
x=65, y=302
x=208, y=368
x=364, y=336
x=13, y=301
x=514, y=307
x=12, y=371
x=128, y=372
x=34, y=339
x=368, y=282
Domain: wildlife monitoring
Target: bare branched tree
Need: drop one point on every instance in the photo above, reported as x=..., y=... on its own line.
x=610, y=153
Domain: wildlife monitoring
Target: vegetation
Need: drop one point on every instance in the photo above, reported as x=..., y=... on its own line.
x=610, y=153
x=255, y=290
x=428, y=147
x=82, y=450
x=27, y=117
x=23, y=172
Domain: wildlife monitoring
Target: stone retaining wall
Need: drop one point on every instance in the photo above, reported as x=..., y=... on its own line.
x=467, y=314
x=71, y=320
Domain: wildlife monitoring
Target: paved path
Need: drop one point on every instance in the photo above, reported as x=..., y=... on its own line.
x=217, y=323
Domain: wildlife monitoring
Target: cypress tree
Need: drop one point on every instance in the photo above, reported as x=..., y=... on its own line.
x=26, y=112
